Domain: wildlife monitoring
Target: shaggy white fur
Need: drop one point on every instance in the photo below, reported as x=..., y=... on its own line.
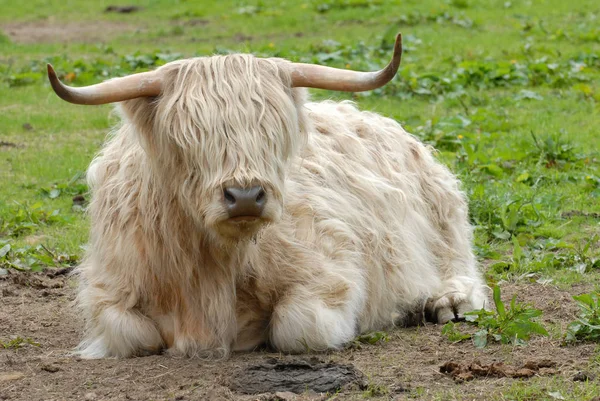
x=362, y=226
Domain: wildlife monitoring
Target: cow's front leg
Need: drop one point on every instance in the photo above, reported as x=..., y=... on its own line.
x=117, y=331
x=317, y=316
x=201, y=328
x=457, y=296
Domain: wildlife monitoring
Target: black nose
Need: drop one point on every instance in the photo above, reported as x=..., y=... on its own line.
x=245, y=201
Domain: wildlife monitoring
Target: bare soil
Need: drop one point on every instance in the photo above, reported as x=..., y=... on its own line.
x=37, y=308
x=52, y=31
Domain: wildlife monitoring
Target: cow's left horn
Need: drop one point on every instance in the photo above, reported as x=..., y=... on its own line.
x=322, y=77
x=116, y=90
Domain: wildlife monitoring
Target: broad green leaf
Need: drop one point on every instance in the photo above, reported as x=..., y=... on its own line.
x=4, y=250
x=517, y=250
x=556, y=395
x=480, y=338
x=493, y=169
x=511, y=219
x=501, y=234
x=585, y=299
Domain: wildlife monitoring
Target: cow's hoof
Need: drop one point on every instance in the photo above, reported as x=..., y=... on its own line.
x=450, y=306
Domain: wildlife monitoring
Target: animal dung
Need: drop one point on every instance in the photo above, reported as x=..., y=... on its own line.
x=296, y=376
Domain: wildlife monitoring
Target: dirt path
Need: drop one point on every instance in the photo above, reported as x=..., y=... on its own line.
x=37, y=308
x=53, y=31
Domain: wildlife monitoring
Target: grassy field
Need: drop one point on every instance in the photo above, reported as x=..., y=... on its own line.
x=508, y=92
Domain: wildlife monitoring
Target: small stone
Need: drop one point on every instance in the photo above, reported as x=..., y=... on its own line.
x=79, y=200
x=399, y=389
x=50, y=368
x=5, y=377
x=583, y=377
x=90, y=396
x=284, y=396
x=3, y=272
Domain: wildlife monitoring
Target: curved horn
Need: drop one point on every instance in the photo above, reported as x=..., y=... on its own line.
x=322, y=77
x=116, y=90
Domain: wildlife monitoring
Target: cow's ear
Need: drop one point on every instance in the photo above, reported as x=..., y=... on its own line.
x=141, y=114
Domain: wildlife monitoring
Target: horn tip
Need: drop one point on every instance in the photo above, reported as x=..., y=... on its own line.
x=53, y=77
x=57, y=86
x=51, y=72
x=398, y=45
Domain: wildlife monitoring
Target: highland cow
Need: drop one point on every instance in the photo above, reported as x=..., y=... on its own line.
x=229, y=212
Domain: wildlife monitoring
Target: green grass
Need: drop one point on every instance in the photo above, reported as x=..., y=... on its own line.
x=515, y=325
x=547, y=389
x=508, y=92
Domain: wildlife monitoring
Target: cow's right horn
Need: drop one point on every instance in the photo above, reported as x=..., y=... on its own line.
x=143, y=84
x=336, y=79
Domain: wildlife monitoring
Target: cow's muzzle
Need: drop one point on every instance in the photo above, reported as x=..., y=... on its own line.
x=245, y=203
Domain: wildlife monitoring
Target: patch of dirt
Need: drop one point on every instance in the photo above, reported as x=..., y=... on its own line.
x=241, y=37
x=122, y=9
x=575, y=213
x=37, y=317
x=558, y=306
x=196, y=22
x=53, y=31
x=5, y=144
